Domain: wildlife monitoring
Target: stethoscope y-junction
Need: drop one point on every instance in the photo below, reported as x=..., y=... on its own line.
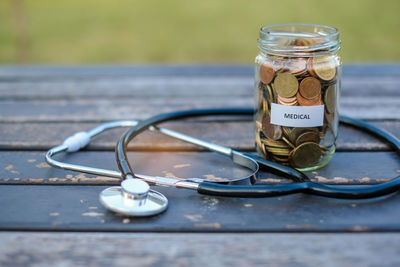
x=135, y=198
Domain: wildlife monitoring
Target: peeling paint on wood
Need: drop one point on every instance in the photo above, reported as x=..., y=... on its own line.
x=359, y=228
x=36, y=180
x=321, y=179
x=194, y=217
x=43, y=165
x=92, y=214
x=208, y=225
x=9, y=167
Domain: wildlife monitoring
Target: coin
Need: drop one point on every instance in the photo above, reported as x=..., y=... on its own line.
x=279, y=151
x=324, y=67
x=305, y=155
x=296, y=132
x=288, y=142
x=279, y=159
x=310, y=88
x=271, y=131
x=307, y=137
x=291, y=101
x=308, y=102
x=258, y=139
x=286, y=84
x=330, y=99
x=279, y=64
x=328, y=118
x=297, y=66
x=274, y=143
x=266, y=72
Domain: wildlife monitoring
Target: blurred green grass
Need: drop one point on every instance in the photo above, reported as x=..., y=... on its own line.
x=186, y=31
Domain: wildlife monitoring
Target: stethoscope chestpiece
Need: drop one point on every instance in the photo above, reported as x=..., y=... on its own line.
x=133, y=198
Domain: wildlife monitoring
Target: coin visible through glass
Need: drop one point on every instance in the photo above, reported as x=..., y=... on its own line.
x=305, y=155
x=286, y=84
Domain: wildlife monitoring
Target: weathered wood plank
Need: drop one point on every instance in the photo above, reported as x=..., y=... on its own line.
x=40, y=136
x=30, y=167
x=155, y=249
x=364, y=107
x=76, y=208
x=188, y=87
x=68, y=72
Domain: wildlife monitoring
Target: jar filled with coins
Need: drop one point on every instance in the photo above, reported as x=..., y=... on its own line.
x=297, y=86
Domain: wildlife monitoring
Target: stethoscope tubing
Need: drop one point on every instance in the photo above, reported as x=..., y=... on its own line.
x=307, y=186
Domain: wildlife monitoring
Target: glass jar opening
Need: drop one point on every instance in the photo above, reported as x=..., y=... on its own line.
x=298, y=40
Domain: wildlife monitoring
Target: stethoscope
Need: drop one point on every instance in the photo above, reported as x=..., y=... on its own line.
x=135, y=198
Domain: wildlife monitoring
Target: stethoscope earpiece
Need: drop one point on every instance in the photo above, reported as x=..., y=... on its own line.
x=133, y=198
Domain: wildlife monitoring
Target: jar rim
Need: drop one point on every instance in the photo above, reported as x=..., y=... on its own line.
x=271, y=37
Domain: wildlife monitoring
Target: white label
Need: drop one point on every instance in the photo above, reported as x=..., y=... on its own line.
x=297, y=116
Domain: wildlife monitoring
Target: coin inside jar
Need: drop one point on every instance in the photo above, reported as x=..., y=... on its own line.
x=271, y=131
x=305, y=155
x=330, y=99
x=308, y=102
x=266, y=73
x=286, y=84
x=297, y=66
x=324, y=67
x=308, y=137
x=310, y=88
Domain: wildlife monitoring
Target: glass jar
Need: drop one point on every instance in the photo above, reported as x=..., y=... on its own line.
x=297, y=87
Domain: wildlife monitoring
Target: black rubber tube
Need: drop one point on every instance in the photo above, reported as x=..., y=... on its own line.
x=121, y=148
x=350, y=192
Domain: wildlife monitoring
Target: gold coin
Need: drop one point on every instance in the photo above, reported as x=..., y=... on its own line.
x=258, y=140
x=287, y=130
x=279, y=151
x=305, y=155
x=266, y=72
x=286, y=84
x=330, y=99
x=280, y=159
x=296, y=132
x=288, y=142
x=324, y=67
x=270, y=131
x=310, y=88
x=307, y=137
x=274, y=143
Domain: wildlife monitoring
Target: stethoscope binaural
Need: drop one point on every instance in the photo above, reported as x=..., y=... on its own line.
x=135, y=198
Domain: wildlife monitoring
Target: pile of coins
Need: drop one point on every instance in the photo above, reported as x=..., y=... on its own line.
x=296, y=81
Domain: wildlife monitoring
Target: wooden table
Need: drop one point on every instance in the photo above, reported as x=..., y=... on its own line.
x=49, y=215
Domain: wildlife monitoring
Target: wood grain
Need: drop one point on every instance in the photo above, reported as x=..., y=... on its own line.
x=43, y=136
x=77, y=208
x=155, y=249
x=17, y=167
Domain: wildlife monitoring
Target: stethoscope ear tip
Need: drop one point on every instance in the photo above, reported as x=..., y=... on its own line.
x=133, y=198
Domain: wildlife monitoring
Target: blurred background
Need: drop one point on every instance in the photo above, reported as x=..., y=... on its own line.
x=183, y=31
